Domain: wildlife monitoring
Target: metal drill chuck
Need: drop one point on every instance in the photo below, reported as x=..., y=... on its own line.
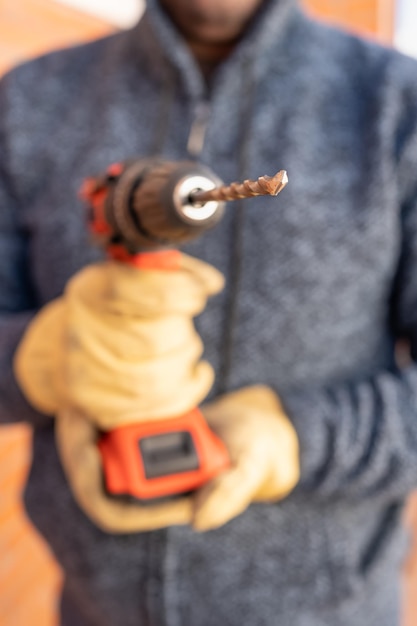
x=150, y=205
x=195, y=212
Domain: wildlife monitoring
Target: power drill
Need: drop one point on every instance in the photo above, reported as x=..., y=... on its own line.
x=140, y=210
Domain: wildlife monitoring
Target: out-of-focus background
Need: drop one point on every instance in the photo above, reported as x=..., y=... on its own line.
x=29, y=578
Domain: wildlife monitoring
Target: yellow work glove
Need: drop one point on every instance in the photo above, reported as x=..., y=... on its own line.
x=263, y=448
x=264, y=454
x=120, y=345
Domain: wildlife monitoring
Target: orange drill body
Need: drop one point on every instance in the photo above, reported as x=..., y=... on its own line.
x=140, y=211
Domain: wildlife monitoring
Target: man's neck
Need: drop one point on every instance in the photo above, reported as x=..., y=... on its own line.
x=209, y=56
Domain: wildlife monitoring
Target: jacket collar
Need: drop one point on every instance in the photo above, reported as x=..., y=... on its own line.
x=159, y=39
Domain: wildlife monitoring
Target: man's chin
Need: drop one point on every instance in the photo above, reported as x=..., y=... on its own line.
x=210, y=21
x=205, y=34
x=215, y=31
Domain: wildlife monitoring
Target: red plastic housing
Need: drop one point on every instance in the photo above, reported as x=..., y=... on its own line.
x=123, y=465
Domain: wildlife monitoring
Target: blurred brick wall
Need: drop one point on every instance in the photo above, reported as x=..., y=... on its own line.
x=373, y=18
x=31, y=27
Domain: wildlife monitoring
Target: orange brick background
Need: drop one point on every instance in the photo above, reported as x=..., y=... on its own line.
x=30, y=27
x=368, y=17
x=29, y=578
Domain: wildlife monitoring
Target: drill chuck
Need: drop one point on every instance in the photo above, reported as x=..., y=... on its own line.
x=147, y=204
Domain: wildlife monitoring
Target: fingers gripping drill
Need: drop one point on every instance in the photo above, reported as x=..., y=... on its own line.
x=141, y=211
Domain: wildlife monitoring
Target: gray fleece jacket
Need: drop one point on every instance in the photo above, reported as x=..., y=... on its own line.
x=320, y=285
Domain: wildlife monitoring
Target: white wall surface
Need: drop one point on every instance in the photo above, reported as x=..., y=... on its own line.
x=122, y=13
x=406, y=26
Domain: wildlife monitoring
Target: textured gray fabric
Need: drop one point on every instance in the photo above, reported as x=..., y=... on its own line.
x=320, y=283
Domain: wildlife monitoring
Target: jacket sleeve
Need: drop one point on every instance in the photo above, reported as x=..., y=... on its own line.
x=359, y=439
x=17, y=303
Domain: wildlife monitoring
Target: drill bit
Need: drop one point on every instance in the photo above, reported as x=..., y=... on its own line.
x=264, y=186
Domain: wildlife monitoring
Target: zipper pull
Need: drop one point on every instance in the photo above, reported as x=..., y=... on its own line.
x=198, y=129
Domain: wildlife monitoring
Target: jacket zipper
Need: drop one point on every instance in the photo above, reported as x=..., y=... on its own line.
x=197, y=135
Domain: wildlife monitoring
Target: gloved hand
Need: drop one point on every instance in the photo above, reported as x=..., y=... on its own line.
x=120, y=345
x=262, y=445
x=76, y=438
x=264, y=453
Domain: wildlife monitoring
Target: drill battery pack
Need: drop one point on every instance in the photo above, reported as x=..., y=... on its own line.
x=161, y=459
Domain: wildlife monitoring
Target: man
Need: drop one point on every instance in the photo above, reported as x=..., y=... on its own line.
x=318, y=291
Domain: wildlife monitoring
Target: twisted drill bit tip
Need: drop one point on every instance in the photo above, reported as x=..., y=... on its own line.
x=264, y=186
